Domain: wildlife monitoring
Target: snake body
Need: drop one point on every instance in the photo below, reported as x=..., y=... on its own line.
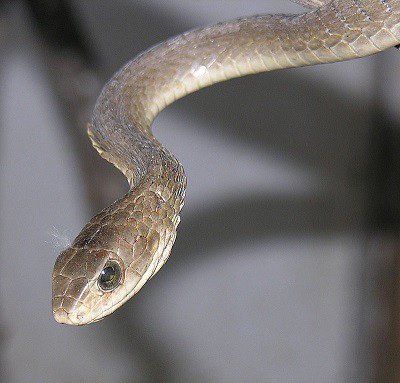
x=128, y=242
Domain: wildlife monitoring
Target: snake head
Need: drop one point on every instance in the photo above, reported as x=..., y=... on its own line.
x=112, y=258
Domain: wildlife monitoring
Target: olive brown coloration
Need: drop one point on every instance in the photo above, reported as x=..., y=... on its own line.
x=127, y=243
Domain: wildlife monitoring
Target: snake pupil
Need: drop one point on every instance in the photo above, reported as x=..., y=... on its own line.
x=107, y=275
x=110, y=276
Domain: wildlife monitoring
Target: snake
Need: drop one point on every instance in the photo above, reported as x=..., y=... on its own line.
x=127, y=243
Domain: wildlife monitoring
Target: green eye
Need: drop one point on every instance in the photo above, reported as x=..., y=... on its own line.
x=110, y=276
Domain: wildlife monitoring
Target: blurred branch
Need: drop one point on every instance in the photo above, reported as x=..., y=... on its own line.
x=382, y=272
x=75, y=75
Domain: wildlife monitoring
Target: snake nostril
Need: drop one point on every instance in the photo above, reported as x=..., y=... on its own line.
x=61, y=316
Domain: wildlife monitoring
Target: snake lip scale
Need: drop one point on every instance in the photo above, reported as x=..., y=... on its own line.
x=126, y=244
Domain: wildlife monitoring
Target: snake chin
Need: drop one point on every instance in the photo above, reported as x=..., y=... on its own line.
x=75, y=318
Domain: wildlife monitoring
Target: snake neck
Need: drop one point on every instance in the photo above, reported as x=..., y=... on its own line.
x=160, y=175
x=165, y=178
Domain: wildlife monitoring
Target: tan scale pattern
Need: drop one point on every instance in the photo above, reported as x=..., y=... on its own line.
x=138, y=230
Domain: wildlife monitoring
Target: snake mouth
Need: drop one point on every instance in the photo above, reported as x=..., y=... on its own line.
x=75, y=318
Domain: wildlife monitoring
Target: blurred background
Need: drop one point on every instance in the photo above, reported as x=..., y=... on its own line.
x=286, y=265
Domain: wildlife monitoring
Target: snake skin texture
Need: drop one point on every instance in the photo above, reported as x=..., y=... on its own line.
x=127, y=243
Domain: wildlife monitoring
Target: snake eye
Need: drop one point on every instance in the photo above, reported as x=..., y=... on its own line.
x=110, y=276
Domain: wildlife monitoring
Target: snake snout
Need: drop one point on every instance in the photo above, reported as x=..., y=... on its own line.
x=70, y=311
x=74, y=318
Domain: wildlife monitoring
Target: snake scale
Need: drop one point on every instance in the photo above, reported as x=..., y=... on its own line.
x=128, y=242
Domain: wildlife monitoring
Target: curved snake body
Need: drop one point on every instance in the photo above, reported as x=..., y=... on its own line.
x=128, y=242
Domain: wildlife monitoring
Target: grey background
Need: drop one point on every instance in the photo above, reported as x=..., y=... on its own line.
x=266, y=282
